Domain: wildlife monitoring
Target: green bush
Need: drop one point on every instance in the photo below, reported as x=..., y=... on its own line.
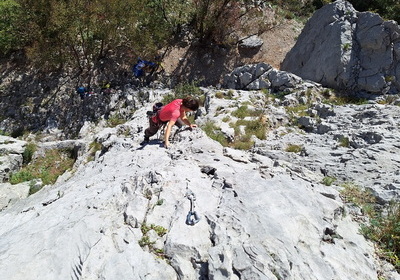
x=21, y=176
x=93, y=148
x=328, y=180
x=292, y=148
x=10, y=26
x=243, y=142
x=183, y=90
x=115, y=120
x=254, y=127
x=215, y=133
x=384, y=229
x=48, y=168
x=27, y=155
x=384, y=222
x=241, y=112
x=344, y=142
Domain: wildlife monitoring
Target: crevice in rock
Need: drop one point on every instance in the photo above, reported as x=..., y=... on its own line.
x=236, y=272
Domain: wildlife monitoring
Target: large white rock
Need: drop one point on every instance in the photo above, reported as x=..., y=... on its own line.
x=344, y=49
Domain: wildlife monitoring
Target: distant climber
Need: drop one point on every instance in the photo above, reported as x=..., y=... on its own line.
x=84, y=92
x=143, y=66
x=171, y=114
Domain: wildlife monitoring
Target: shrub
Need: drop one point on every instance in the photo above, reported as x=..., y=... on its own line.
x=328, y=181
x=10, y=24
x=344, y=142
x=343, y=100
x=47, y=168
x=244, y=111
x=115, y=120
x=241, y=112
x=183, y=90
x=383, y=226
x=93, y=148
x=215, y=133
x=292, y=148
x=21, y=176
x=254, y=127
x=384, y=229
x=27, y=155
x=243, y=142
x=352, y=193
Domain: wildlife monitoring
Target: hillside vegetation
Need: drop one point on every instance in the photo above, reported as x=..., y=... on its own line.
x=81, y=34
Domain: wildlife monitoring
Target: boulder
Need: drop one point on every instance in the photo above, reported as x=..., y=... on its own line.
x=344, y=49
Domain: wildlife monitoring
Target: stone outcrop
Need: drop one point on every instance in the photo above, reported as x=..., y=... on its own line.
x=264, y=213
x=11, y=158
x=263, y=76
x=344, y=49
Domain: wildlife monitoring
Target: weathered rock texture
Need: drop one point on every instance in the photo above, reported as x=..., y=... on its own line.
x=348, y=50
x=261, y=217
x=264, y=76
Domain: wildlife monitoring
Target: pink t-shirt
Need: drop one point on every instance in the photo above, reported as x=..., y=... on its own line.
x=171, y=111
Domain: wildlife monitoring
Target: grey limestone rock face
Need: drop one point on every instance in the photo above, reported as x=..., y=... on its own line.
x=11, y=159
x=348, y=50
x=263, y=213
x=261, y=76
x=252, y=42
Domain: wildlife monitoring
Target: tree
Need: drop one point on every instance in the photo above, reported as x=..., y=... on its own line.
x=10, y=38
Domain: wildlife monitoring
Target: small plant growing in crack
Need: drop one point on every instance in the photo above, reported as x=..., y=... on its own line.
x=145, y=240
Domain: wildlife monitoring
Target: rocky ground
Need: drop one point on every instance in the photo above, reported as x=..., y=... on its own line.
x=264, y=213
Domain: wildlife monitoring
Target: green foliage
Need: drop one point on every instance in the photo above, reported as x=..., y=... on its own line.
x=384, y=223
x=243, y=142
x=215, y=133
x=214, y=21
x=343, y=100
x=226, y=119
x=346, y=46
x=145, y=240
x=292, y=148
x=352, y=193
x=328, y=180
x=244, y=111
x=388, y=9
x=47, y=168
x=224, y=95
x=384, y=229
x=27, y=155
x=33, y=188
x=3, y=133
x=388, y=99
x=160, y=202
x=93, y=148
x=161, y=231
x=344, y=142
x=183, y=90
x=21, y=176
x=254, y=127
x=10, y=26
x=115, y=120
x=294, y=8
x=241, y=112
x=280, y=94
x=298, y=111
x=79, y=33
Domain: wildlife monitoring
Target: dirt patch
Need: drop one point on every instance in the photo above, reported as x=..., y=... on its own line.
x=210, y=64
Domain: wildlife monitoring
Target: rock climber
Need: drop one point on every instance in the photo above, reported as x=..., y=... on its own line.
x=173, y=113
